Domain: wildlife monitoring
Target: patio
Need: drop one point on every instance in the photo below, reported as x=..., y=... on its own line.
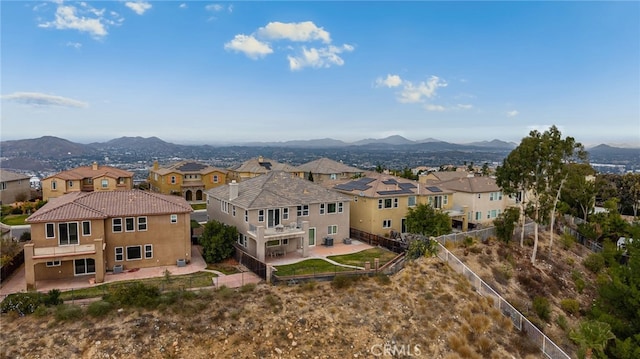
x=319, y=251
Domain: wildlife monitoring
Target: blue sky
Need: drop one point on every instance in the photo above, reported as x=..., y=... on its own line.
x=233, y=72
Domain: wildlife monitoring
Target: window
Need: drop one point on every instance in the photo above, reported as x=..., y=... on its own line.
x=50, y=229
x=387, y=203
x=332, y=208
x=3, y=186
x=242, y=240
x=142, y=223
x=303, y=211
x=479, y=195
x=355, y=198
x=54, y=185
x=233, y=211
x=478, y=216
x=84, y=266
x=134, y=253
x=285, y=241
x=215, y=179
x=386, y=223
x=246, y=216
x=273, y=243
x=70, y=184
x=321, y=208
x=173, y=179
x=53, y=264
x=119, y=254
x=333, y=229
x=395, y=203
x=68, y=233
x=340, y=207
x=411, y=201
x=261, y=215
x=174, y=218
x=493, y=213
x=116, y=225
x=121, y=180
x=105, y=183
x=224, y=206
x=285, y=213
x=129, y=224
x=148, y=251
x=445, y=200
x=86, y=228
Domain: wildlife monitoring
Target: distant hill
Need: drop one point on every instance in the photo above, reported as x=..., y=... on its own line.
x=151, y=144
x=494, y=144
x=45, y=147
x=391, y=140
x=615, y=155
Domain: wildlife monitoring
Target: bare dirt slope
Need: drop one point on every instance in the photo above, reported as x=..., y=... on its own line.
x=426, y=310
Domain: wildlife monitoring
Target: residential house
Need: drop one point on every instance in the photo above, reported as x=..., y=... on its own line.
x=188, y=179
x=381, y=202
x=438, y=176
x=279, y=212
x=480, y=196
x=86, y=179
x=258, y=166
x=14, y=186
x=88, y=233
x=324, y=169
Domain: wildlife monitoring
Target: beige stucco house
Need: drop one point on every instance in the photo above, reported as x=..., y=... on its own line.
x=258, y=166
x=188, y=179
x=325, y=169
x=279, y=212
x=89, y=233
x=13, y=185
x=86, y=179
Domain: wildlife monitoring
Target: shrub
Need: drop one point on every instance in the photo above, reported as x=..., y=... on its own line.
x=16, y=210
x=594, y=262
x=25, y=236
x=52, y=298
x=580, y=284
x=249, y=287
x=21, y=303
x=542, y=308
x=562, y=322
x=567, y=241
x=99, y=308
x=68, y=312
x=382, y=279
x=342, y=281
x=134, y=294
x=571, y=306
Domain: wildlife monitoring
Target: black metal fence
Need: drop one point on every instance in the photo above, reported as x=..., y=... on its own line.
x=7, y=270
x=394, y=245
x=252, y=263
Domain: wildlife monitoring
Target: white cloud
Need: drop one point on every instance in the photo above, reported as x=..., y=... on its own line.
x=67, y=18
x=249, y=45
x=318, y=58
x=183, y=6
x=465, y=106
x=430, y=107
x=389, y=81
x=414, y=94
x=214, y=7
x=40, y=100
x=512, y=113
x=298, y=32
x=75, y=45
x=139, y=7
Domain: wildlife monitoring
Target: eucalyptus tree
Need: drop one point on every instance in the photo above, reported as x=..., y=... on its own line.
x=579, y=191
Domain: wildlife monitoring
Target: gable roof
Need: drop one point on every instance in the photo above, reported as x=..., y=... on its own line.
x=276, y=189
x=375, y=184
x=327, y=166
x=83, y=172
x=106, y=204
x=188, y=166
x=263, y=165
x=7, y=176
x=448, y=175
x=470, y=184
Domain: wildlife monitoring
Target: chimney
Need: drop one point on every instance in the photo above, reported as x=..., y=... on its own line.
x=94, y=166
x=155, y=165
x=260, y=159
x=233, y=190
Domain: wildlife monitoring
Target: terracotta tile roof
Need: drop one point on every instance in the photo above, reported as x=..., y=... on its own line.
x=378, y=185
x=6, y=176
x=188, y=167
x=327, y=166
x=82, y=172
x=470, y=184
x=106, y=204
x=277, y=189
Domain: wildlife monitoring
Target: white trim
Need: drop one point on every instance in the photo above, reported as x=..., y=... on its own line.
x=46, y=232
x=115, y=252
x=150, y=250
x=82, y=228
x=138, y=224
x=133, y=224
x=126, y=253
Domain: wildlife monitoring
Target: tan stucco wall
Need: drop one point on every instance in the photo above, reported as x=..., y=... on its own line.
x=14, y=188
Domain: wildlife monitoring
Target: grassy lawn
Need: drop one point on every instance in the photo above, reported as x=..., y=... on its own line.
x=309, y=266
x=14, y=219
x=195, y=280
x=197, y=206
x=358, y=259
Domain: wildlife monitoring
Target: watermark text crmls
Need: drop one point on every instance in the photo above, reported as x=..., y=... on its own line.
x=393, y=350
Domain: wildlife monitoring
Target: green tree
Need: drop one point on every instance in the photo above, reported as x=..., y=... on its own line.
x=428, y=221
x=217, y=241
x=592, y=336
x=506, y=223
x=579, y=191
x=630, y=193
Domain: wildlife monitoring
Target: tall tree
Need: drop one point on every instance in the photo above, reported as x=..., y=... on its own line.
x=428, y=221
x=579, y=191
x=630, y=193
x=217, y=241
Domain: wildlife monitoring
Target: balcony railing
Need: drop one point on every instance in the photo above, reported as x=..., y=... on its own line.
x=64, y=250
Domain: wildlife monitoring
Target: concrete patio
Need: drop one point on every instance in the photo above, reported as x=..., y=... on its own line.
x=320, y=251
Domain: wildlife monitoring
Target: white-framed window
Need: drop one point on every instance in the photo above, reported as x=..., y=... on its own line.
x=333, y=176
x=70, y=184
x=340, y=207
x=68, y=234
x=386, y=223
x=134, y=253
x=285, y=213
x=216, y=179
x=174, y=218
x=116, y=225
x=387, y=203
x=224, y=206
x=105, y=183
x=261, y=215
x=321, y=208
x=303, y=210
x=355, y=198
x=285, y=241
x=173, y=179
x=273, y=243
x=478, y=216
x=50, y=230
x=148, y=251
x=3, y=186
x=242, y=240
x=494, y=213
x=119, y=254
x=411, y=201
x=129, y=224
x=332, y=207
x=54, y=185
x=332, y=229
x=246, y=216
x=445, y=200
x=142, y=223
x=54, y=263
x=86, y=228
x=233, y=210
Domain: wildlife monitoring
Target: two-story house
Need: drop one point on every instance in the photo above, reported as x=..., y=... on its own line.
x=88, y=233
x=188, y=179
x=86, y=179
x=14, y=186
x=381, y=202
x=255, y=167
x=279, y=212
x=325, y=169
x=480, y=195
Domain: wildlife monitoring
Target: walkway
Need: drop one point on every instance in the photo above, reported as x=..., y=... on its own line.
x=322, y=252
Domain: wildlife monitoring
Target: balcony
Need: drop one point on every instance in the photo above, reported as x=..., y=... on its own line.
x=62, y=251
x=286, y=230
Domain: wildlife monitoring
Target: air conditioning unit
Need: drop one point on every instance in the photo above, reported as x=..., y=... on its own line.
x=118, y=268
x=181, y=262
